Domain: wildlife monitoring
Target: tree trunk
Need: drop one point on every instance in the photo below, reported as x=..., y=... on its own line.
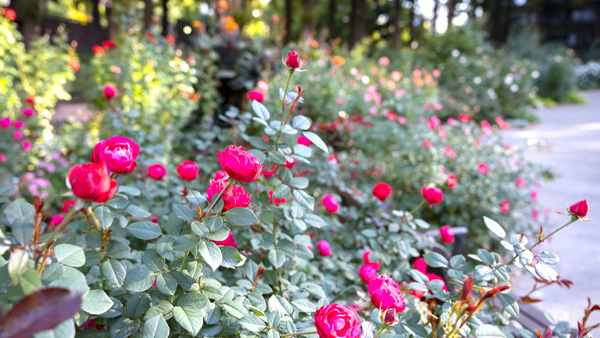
x=451, y=7
x=148, y=13
x=331, y=18
x=288, y=22
x=307, y=17
x=411, y=19
x=507, y=20
x=436, y=5
x=357, y=21
x=397, y=13
x=96, y=13
x=165, y=17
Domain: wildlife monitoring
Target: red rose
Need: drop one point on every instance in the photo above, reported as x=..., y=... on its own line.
x=293, y=60
x=382, y=191
x=447, y=234
x=220, y=174
x=331, y=204
x=368, y=271
x=256, y=95
x=304, y=141
x=188, y=171
x=385, y=294
x=10, y=14
x=66, y=205
x=579, y=209
x=269, y=173
x=290, y=164
x=109, y=44
x=110, y=91
x=157, y=171
x=420, y=265
x=91, y=181
x=234, y=197
x=229, y=241
x=275, y=201
x=240, y=164
x=432, y=195
x=118, y=152
x=98, y=50
x=464, y=118
x=28, y=112
x=337, y=321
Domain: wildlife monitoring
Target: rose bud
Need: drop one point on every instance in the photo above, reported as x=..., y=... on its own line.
x=2, y=158
x=110, y=91
x=28, y=111
x=118, y=152
x=336, y=321
x=447, y=234
x=293, y=60
x=91, y=181
x=157, y=171
x=579, y=209
x=368, y=271
x=390, y=316
x=452, y=181
x=188, y=171
x=331, y=204
x=56, y=219
x=290, y=164
x=229, y=241
x=66, y=205
x=324, y=248
x=240, y=164
x=220, y=174
x=385, y=294
x=303, y=140
x=269, y=173
x=256, y=95
x=233, y=197
x=30, y=100
x=432, y=195
x=382, y=191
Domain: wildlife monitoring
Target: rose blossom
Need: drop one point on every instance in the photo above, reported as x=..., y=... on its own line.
x=188, y=171
x=290, y=164
x=2, y=158
x=337, y=321
x=452, y=181
x=426, y=143
x=56, y=219
x=432, y=195
x=447, y=234
x=448, y=151
x=304, y=141
x=233, y=197
x=520, y=182
x=420, y=265
x=486, y=127
x=91, y=181
x=157, y=171
x=109, y=44
x=275, y=201
x=17, y=135
x=18, y=124
x=483, y=168
x=110, y=91
x=268, y=173
x=5, y=122
x=385, y=294
x=10, y=14
x=501, y=123
x=382, y=191
x=505, y=206
x=219, y=175
x=118, y=152
x=331, y=204
x=292, y=60
x=28, y=111
x=368, y=271
x=464, y=118
x=98, y=50
x=240, y=164
x=26, y=145
x=229, y=241
x=256, y=95
x=66, y=205
x=324, y=248
x=579, y=209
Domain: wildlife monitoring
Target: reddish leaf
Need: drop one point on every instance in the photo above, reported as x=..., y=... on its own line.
x=538, y=334
x=40, y=311
x=548, y=333
x=529, y=300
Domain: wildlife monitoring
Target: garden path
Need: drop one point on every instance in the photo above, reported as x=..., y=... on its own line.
x=572, y=133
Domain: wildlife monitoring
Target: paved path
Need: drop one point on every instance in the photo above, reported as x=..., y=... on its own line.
x=573, y=136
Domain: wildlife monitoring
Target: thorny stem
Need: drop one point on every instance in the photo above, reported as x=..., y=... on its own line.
x=283, y=105
x=54, y=233
x=298, y=334
x=545, y=238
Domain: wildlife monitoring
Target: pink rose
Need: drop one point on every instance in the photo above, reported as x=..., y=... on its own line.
x=534, y=195
x=256, y=95
x=269, y=173
x=426, y=143
x=483, y=168
x=382, y=191
x=432, y=195
x=385, y=294
x=384, y=61
x=437, y=106
x=17, y=135
x=188, y=171
x=428, y=106
x=234, y=197
x=464, y=118
x=91, y=181
x=118, y=152
x=534, y=213
x=579, y=209
x=420, y=265
x=324, y=248
x=157, y=171
x=2, y=158
x=28, y=112
x=337, y=321
x=219, y=175
x=486, y=128
x=110, y=91
x=229, y=241
x=240, y=164
x=402, y=120
x=368, y=271
x=520, y=182
x=275, y=201
x=26, y=145
x=331, y=204
x=447, y=234
x=501, y=123
x=448, y=151
x=5, y=122
x=56, y=219
x=505, y=206
x=18, y=124
x=293, y=60
x=452, y=181
x=304, y=141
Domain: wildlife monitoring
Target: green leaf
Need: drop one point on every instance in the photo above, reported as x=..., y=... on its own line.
x=123, y=328
x=8, y=191
x=70, y=255
x=299, y=182
x=189, y=318
x=316, y=140
x=105, y=216
x=214, y=223
x=219, y=235
x=258, y=142
x=199, y=229
x=30, y=281
x=260, y=110
x=276, y=257
x=138, y=280
x=276, y=157
x=184, y=212
x=509, y=304
x=304, y=199
x=137, y=211
x=241, y=216
x=114, y=272
x=494, y=227
x=252, y=323
x=301, y=122
x=17, y=264
x=483, y=273
x=488, y=331
x=138, y=305
x=281, y=191
x=20, y=216
x=144, y=230
x=231, y=257
x=235, y=309
x=196, y=198
x=211, y=254
x=131, y=191
x=304, y=305
x=96, y=302
x=166, y=284
x=186, y=242
x=156, y=327
x=548, y=257
x=65, y=329
x=435, y=260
